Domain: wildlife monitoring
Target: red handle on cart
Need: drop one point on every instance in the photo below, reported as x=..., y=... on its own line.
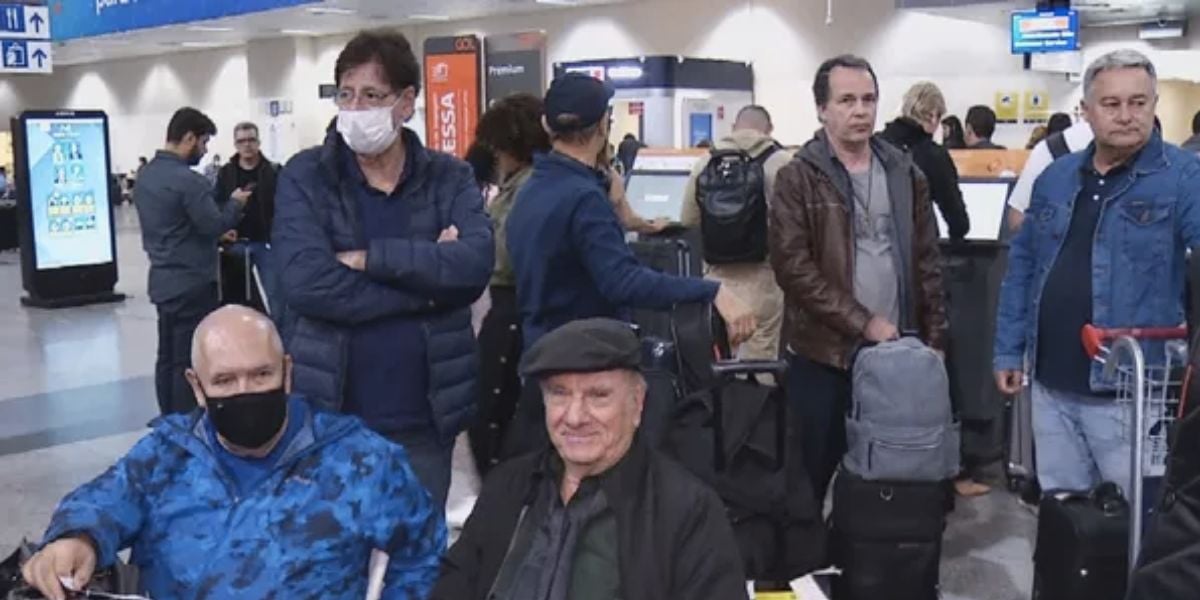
x=1094, y=337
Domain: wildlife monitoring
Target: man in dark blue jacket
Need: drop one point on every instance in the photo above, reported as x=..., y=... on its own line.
x=383, y=247
x=259, y=495
x=568, y=249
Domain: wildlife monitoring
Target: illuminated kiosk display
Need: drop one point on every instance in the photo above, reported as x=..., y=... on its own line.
x=65, y=217
x=671, y=101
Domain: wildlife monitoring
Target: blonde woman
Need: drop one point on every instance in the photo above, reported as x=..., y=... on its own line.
x=921, y=116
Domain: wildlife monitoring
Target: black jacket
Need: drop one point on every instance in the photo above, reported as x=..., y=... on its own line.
x=674, y=538
x=1169, y=564
x=260, y=210
x=935, y=162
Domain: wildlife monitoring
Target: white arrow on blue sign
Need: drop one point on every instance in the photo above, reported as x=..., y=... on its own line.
x=21, y=22
x=24, y=56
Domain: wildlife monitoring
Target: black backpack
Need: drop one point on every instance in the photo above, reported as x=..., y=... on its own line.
x=731, y=192
x=1057, y=144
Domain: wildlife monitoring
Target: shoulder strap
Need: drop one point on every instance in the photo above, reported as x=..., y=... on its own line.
x=1057, y=144
x=768, y=153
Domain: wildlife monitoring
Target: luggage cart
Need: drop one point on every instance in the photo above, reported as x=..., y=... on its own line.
x=1154, y=391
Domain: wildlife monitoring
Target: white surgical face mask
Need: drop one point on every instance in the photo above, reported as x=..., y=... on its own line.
x=368, y=132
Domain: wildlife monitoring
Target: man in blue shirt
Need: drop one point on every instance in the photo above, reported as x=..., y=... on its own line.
x=1103, y=242
x=181, y=224
x=257, y=495
x=567, y=246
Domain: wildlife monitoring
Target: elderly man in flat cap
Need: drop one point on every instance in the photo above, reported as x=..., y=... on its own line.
x=600, y=515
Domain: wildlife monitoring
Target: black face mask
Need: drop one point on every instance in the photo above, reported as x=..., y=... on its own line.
x=249, y=420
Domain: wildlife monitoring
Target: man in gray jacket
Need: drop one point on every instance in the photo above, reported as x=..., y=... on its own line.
x=181, y=224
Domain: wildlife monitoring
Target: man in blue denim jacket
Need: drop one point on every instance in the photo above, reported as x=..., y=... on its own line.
x=1103, y=242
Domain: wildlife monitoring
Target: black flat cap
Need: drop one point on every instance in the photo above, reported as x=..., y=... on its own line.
x=584, y=346
x=580, y=96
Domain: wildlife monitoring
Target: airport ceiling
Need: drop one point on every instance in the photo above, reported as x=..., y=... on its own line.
x=352, y=15
x=326, y=18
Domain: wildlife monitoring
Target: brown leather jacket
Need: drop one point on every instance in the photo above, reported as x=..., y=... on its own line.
x=812, y=252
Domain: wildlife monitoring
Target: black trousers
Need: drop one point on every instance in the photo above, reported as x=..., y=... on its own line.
x=177, y=321
x=819, y=396
x=499, y=383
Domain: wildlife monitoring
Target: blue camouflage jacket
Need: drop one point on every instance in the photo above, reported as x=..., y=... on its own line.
x=1138, y=252
x=307, y=531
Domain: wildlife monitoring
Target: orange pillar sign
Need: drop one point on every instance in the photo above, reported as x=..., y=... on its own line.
x=452, y=97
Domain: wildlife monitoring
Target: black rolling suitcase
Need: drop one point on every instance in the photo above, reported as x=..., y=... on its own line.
x=734, y=432
x=886, y=536
x=1082, y=546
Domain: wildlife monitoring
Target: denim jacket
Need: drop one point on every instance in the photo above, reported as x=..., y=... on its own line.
x=1138, y=252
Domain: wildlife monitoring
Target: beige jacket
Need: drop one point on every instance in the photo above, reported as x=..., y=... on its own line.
x=749, y=141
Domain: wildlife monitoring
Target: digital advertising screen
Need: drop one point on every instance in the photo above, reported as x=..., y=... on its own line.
x=68, y=191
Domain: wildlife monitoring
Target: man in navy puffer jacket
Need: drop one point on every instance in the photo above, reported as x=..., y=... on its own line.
x=383, y=247
x=258, y=495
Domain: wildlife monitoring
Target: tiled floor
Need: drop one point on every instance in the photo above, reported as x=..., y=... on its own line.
x=76, y=391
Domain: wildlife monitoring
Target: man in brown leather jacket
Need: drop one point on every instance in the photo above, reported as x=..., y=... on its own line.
x=853, y=243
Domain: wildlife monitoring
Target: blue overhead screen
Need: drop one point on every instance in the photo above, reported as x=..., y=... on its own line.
x=74, y=19
x=1045, y=31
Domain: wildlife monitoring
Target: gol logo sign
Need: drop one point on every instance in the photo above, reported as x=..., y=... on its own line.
x=441, y=72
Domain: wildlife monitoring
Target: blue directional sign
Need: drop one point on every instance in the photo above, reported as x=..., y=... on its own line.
x=18, y=21
x=25, y=56
x=75, y=19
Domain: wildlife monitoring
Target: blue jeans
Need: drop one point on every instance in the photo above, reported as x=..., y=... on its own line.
x=1080, y=440
x=262, y=259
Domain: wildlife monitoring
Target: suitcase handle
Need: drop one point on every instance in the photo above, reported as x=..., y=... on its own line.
x=729, y=368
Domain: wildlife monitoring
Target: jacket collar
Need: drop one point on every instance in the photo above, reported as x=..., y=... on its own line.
x=263, y=163
x=1152, y=158
x=819, y=153
x=558, y=161
x=172, y=157
x=320, y=429
x=621, y=484
x=906, y=132
x=334, y=146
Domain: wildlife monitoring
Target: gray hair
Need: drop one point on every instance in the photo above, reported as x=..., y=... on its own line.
x=1118, y=59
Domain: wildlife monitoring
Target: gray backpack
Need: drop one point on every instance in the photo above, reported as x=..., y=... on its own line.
x=901, y=425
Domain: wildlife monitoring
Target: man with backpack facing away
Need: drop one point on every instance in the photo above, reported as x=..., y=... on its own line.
x=741, y=170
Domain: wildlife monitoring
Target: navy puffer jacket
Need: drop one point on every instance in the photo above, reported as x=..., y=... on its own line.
x=316, y=217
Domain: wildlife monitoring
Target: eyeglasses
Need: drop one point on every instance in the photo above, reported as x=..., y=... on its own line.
x=243, y=141
x=370, y=97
